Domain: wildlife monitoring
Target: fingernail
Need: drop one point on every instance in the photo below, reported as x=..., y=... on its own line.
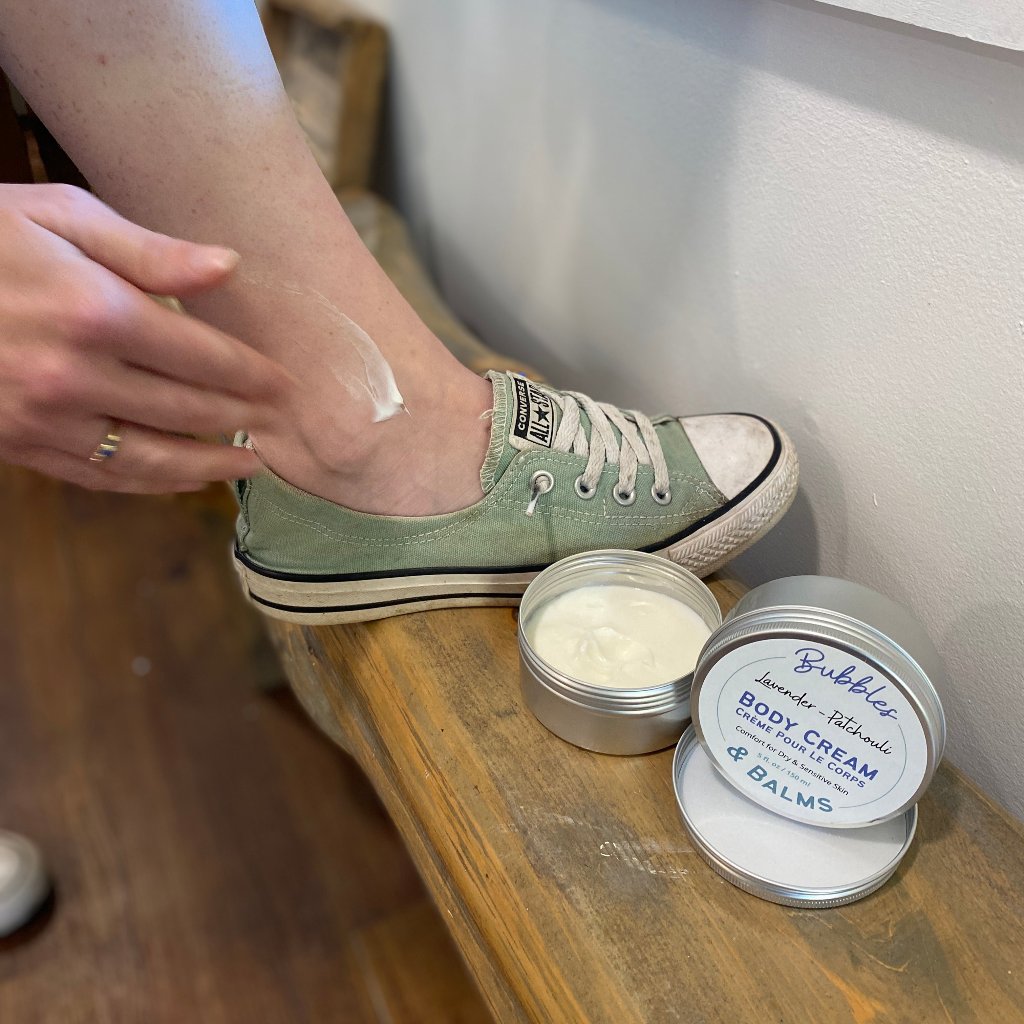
x=222, y=259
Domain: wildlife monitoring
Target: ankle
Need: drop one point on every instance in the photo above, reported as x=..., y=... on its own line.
x=423, y=461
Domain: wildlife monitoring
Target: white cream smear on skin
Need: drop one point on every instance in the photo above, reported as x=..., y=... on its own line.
x=778, y=849
x=618, y=636
x=378, y=380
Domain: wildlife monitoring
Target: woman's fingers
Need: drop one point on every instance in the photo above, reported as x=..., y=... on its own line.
x=106, y=308
x=149, y=455
x=93, y=475
x=56, y=396
x=144, y=333
x=137, y=396
x=82, y=342
x=151, y=261
x=146, y=461
x=102, y=315
x=94, y=319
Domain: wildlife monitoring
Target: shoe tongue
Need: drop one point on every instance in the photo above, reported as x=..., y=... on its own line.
x=533, y=415
x=525, y=417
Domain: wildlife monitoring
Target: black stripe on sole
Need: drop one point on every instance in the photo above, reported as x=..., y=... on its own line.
x=331, y=609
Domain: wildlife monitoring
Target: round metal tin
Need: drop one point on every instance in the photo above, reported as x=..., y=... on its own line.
x=816, y=700
x=599, y=718
x=773, y=857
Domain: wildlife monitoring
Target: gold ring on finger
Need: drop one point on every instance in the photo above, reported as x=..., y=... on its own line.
x=109, y=446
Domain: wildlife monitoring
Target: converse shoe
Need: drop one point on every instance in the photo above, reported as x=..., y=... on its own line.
x=563, y=474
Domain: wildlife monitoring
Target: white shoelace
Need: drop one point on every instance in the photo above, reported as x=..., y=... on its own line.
x=640, y=445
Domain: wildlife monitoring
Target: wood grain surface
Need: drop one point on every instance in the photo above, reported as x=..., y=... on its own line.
x=214, y=856
x=408, y=972
x=573, y=892
x=332, y=58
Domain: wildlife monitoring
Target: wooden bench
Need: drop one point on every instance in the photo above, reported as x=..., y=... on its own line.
x=566, y=878
x=570, y=886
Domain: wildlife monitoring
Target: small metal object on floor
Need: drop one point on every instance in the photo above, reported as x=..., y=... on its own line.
x=24, y=882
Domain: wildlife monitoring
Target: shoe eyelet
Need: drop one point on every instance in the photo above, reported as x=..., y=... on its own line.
x=540, y=483
x=662, y=498
x=586, y=493
x=624, y=499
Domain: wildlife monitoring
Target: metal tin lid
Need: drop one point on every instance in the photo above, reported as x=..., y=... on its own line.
x=773, y=857
x=814, y=701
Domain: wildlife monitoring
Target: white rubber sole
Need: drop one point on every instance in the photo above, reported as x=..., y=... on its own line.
x=319, y=602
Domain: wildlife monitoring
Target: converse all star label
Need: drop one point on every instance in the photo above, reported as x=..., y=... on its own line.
x=533, y=419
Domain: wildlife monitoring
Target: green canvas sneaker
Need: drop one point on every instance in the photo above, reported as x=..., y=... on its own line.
x=563, y=474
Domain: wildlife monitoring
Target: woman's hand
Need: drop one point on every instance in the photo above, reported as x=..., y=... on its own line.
x=82, y=347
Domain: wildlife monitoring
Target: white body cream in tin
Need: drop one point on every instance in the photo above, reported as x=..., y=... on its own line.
x=607, y=644
x=618, y=636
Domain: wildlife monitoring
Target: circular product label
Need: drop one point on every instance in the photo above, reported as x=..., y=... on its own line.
x=811, y=732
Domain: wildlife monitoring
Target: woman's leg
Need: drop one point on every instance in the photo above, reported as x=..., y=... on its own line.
x=176, y=114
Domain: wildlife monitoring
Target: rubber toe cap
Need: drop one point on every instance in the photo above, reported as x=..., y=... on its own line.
x=735, y=449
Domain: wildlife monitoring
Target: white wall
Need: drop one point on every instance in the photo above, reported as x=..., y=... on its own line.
x=999, y=22
x=758, y=204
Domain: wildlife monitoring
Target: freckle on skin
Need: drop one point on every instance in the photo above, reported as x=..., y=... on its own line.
x=102, y=58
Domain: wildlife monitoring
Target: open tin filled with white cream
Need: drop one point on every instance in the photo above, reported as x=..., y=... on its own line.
x=816, y=728
x=608, y=641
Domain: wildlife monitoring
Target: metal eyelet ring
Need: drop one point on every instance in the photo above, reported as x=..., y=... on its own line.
x=586, y=493
x=661, y=497
x=624, y=499
x=540, y=483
